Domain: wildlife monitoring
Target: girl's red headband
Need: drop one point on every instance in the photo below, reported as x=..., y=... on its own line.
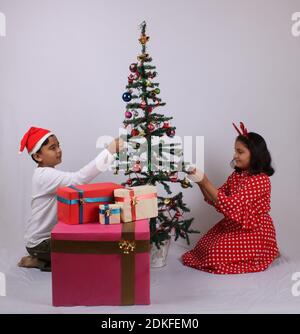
x=243, y=131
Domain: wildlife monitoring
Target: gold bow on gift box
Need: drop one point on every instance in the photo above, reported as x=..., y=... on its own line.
x=127, y=246
x=81, y=201
x=107, y=212
x=134, y=201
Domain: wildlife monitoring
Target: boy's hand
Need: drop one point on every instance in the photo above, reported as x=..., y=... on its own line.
x=116, y=145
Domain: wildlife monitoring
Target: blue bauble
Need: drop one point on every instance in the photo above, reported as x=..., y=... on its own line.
x=126, y=97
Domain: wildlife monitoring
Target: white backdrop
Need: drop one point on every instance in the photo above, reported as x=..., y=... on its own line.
x=64, y=66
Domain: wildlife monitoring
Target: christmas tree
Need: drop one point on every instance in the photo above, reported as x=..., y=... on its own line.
x=152, y=156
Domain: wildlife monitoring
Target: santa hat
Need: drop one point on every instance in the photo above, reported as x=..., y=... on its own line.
x=33, y=139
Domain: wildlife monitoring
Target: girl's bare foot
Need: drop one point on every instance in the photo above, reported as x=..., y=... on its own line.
x=29, y=262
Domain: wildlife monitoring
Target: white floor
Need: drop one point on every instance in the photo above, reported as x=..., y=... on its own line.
x=174, y=289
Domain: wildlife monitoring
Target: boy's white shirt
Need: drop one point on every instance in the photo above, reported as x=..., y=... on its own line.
x=45, y=181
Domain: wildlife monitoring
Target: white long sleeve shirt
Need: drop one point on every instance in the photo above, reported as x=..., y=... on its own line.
x=45, y=181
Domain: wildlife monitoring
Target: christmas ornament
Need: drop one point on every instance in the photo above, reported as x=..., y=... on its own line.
x=137, y=146
x=134, y=132
x=126, y=97
x=149, y=83
x=133, y=67
x=167, y=201
x=144, y=39
x=178, y=214
x=171, y=133
x=143, y=104
x=185, y=183
x=157, y=90
x=166, y=125
x=143, y=57
x=128, y=114
x=136, y=76
x=149, y=109
x=153, y=95
x=150, y=127
x=129, y=181
x=174, y=178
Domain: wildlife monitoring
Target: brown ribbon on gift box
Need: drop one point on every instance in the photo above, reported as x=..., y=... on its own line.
x=127, y=247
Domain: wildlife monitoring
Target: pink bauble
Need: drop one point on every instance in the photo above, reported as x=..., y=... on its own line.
x=143, y=104
x=150, y=127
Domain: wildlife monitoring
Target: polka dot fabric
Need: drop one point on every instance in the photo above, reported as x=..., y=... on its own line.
x=244, y=241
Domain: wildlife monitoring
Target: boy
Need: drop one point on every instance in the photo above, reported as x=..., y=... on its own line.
x=44, y=148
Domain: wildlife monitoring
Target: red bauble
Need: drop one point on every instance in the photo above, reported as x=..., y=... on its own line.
x=150, y=127
x=129, y=181
x=149, y=109
x=174, y=178
x=166, y=125
x=134, y=132
x=171, y=133
x=133, y=67
x=178, y=214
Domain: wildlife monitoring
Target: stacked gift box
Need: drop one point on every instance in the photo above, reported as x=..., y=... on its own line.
x=100, y=245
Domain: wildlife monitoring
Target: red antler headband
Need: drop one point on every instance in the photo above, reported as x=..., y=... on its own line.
x=244, y=131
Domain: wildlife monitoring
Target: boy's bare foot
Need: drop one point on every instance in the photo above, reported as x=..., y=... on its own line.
x=29, y=262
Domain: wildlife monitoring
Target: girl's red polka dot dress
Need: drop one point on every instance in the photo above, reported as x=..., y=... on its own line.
x=244, y=241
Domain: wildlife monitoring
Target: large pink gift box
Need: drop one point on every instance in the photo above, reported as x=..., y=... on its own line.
x=94, y=264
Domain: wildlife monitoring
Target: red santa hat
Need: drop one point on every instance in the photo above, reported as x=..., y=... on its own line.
x=33, y=139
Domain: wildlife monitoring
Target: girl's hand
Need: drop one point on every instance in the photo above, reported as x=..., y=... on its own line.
x=195, y=175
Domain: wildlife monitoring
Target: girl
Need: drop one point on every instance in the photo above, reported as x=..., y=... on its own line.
x=244, y=241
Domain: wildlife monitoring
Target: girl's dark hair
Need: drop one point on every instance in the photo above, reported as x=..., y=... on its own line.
x=44, y=143
x=260, y=159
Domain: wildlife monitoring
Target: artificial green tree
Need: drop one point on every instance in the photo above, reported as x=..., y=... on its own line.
x=142, y=121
